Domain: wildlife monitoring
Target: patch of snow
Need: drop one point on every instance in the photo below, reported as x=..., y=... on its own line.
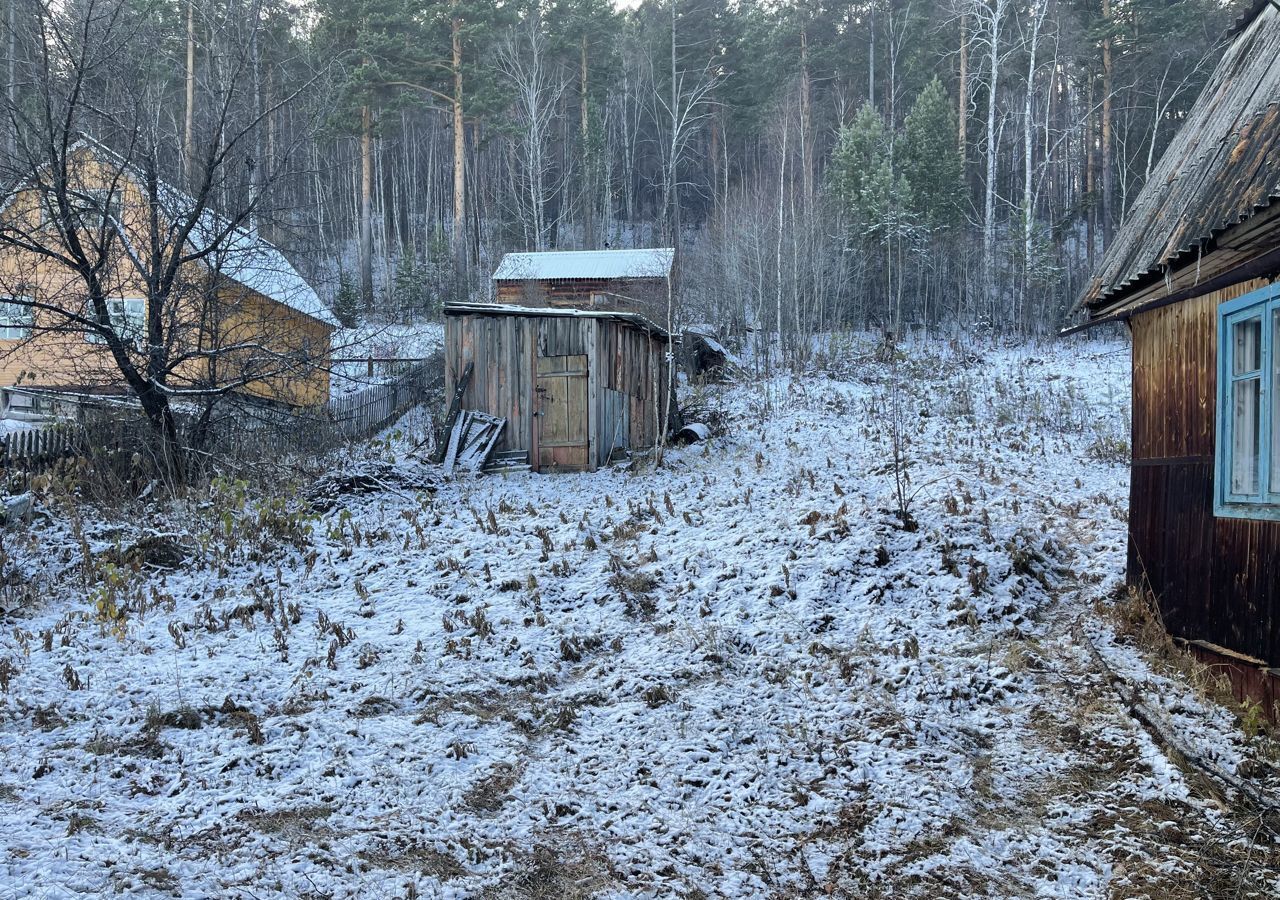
x=736, y=674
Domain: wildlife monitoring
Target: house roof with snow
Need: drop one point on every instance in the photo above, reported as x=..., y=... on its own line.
x=1221, y=169
x=241, y=254
x=565, y=265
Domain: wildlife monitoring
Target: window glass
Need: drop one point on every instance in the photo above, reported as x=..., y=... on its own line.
x=16, y=320
x=96, y=203
x=1245, y=426
x=1247, y=355
x=1275, y=401
x=127, y=319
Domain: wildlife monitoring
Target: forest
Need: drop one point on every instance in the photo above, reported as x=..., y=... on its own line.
x=956, y=166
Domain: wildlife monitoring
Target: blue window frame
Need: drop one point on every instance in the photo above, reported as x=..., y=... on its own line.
x=1246, y=481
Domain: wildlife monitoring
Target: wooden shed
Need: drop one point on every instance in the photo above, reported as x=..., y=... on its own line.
x=1193, y=272
x=575, y=386
x=630, y=280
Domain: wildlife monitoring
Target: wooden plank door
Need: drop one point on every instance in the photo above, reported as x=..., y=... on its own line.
x=563, y=426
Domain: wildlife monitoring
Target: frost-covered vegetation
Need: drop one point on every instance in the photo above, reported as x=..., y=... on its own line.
x=865, y=642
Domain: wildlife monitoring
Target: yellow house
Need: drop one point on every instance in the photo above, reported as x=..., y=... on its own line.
x=239, y=318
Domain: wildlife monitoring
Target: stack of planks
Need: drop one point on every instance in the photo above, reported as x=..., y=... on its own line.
x=471, y=441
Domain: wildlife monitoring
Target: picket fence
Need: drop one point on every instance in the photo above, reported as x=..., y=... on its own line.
x=37, y=447
x=369, y=411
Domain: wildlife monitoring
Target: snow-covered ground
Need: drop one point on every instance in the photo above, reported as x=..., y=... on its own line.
x=742, y=674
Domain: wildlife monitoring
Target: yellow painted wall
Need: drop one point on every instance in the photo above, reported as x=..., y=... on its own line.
x=274, y=367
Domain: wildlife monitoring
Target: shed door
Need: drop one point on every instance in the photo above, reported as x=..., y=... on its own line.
x=562, y=413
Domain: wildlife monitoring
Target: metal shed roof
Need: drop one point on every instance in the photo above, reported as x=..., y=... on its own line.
x=585, y=264
x=1221, y=168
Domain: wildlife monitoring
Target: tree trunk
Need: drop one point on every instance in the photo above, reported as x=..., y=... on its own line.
x=189, y=127
x=1090, y=179
x=782, y=183
x=1107, y=163
x=962, y=110
x=588, y=158
x=989, y=204
x=11, y=86
x=366, y=207
x=255, y=172
x=459, y=152
x=1028, y=213
x=871, y=57
x=806, y=120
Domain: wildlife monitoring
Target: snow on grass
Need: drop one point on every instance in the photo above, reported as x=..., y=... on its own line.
x=737, y=675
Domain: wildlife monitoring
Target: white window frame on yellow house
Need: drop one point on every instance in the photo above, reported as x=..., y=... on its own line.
x=17, y=318
x=104, y=202
x=128, y=319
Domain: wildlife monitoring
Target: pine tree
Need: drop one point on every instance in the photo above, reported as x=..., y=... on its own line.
x=410, y=294
x=347, y=306
x=930, y=162
x=860, y=168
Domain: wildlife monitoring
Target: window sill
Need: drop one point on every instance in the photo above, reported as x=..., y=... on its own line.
x=1258, y=512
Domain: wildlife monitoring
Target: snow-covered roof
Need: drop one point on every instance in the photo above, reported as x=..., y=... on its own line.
x=594, y=264
x=241, y=255
x=249, y=259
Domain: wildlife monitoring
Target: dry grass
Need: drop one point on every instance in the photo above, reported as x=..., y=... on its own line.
x=563, y=868
x=1137, y=622
x=491, y=792
x=300, y=824
x=422, y=860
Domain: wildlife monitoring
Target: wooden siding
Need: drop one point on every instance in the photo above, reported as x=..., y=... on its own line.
x=631, y=363
x=644, y=295
x=294, y=371
x=67, y=359
x=502, y=350
x=1216, y=579
x=626, y=372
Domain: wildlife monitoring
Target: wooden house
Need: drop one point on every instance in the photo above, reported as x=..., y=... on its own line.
x=241, y=318
x=1193, y=272
x=628, y=280
x=575, y=386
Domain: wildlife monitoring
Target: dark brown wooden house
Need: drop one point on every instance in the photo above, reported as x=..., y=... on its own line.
x=1193, y=272
x=627, y=280
x=576, y=387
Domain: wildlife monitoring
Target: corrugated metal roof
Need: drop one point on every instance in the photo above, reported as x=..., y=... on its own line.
x=1221, y=167
x=593, y=264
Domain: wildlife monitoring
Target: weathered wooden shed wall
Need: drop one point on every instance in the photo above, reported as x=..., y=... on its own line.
x=502, y=350
x=530, y=364
x=632, y=374
x=642, y=295
x=1217, y=579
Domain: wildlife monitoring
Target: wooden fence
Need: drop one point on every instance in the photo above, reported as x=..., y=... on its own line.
x=245, y=434
x=367, y=412
x=37, y=448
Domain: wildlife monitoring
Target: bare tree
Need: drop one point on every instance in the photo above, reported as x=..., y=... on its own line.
x=988, y=20
x=122, y=276
x=538, y=89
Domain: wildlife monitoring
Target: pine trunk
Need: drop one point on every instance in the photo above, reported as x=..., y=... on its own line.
x=1108, y=188
x=962, y=110
x=588, y=160
x=459, y=237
